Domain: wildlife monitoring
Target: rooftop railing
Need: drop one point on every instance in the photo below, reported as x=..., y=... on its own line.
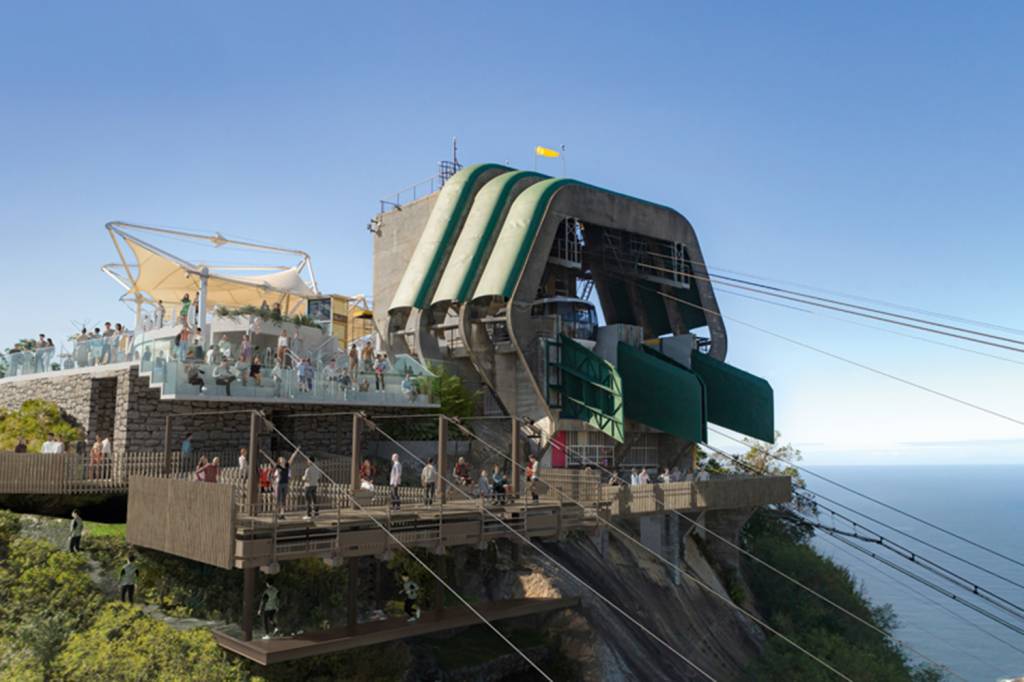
x=75, y=354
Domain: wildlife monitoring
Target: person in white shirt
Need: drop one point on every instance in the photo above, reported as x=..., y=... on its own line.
x=58, y=446
x=644, y=478
x=107, y=448
x=395, y=480
x=243, y=463
x=634, y=477
x=224, y=346
x=428, y=479
x=282, y=347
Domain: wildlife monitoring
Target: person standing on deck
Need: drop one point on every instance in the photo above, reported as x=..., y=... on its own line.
x=366, y=474
x=282, y=347
x=484, y=485
x=243, y=463
x=282, y=472
x=532, y=471
x=126, y=581
x=186, y=451
x=269, y=604
x=428, y=478
x=461, y=472
x=77, y=530
x=95, y=457
x=395, y=480
x=353, y=361
x=411, y=591
x=310, y=481
x=107, y=449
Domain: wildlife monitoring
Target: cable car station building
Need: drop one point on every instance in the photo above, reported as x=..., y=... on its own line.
x=584, y=318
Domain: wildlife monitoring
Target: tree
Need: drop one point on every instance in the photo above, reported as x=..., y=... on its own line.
x=34, y=421
x=448, y=389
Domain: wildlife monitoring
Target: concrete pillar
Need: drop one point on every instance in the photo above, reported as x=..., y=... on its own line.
x=651, y=532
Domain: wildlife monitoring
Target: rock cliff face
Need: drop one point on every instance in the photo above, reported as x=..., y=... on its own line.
x=604, y=643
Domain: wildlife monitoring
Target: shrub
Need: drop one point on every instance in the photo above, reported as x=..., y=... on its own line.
x=124, y=644
x=34, y=421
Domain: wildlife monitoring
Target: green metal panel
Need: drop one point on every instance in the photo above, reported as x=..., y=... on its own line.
x=488, y=209
x=440, y=231
x=737, y=400
x=591, y=389
x=661, y=394
x=703, y=388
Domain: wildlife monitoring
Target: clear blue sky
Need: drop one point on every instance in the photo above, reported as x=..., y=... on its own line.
x=866, y=148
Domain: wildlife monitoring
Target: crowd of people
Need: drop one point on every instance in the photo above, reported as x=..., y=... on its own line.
x=101, y=346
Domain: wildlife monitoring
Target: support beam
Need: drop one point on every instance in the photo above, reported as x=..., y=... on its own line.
x=442, y=458
x=252, y=490
x=357, y=435
x=353, y=592
x=378, y=586
x=442, y=572
x=515, y=456
x=248, y=602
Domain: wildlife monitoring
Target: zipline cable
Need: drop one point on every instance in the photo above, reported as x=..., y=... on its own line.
x=742, y=550
x=540, y=551
x=422, y=563
x=870, y=498
x=677, y=569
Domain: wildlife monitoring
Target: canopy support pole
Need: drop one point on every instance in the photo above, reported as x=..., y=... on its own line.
x=204, y=278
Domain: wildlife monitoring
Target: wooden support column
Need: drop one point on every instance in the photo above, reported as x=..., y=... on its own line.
x=378, y=586
x=357, y=435
x=353, y=592
x=167, y=445
x=693, y=458
x=515, y=456
x=439, y=589
x=442, y=459
x=253, y=474
x=248, y=602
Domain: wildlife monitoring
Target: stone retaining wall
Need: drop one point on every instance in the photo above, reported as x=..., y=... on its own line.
x=116, y=401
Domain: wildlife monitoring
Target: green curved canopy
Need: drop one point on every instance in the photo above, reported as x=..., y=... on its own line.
x=471, y=248
x=439, y=234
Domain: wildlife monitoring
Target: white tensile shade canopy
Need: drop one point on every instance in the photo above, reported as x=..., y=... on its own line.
x=166, y=279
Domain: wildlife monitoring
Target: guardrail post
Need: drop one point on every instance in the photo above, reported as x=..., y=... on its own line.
x=357, y=427
x=253, y=487
x=442, y=460
x=515, y=456
x=167, y=445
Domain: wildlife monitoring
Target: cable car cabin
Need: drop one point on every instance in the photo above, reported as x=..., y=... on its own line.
x=577, y=317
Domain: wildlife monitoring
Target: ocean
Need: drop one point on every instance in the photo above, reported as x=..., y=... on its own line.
x=982, y=503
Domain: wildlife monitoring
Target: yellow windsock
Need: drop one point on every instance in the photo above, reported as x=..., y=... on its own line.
x=544, y=151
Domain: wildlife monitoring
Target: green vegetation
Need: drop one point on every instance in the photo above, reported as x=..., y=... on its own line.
x=448, y=389
x=851, y=647
x=269, y=314
x=34, y=421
